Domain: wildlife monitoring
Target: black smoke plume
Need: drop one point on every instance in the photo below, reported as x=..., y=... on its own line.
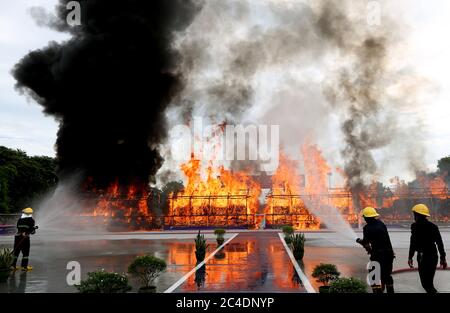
x=108, y=86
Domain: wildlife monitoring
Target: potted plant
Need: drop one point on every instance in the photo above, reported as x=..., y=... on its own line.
x=200, y=247
x=147, y=268
x=325, y=273
x=287, y=231
x=348, y=285
x=298, y=245
x=6, y=259
x=104, y=282
x=220, y=233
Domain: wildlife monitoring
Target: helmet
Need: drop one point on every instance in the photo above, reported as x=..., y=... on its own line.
x=370, y=212
x=27, y=211
x=421, y=209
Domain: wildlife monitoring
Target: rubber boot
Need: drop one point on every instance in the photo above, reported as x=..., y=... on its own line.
x=390, y=288
x=377, y=289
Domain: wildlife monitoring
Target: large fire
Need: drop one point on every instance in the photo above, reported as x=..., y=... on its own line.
x=119, y=208
x=292, y=193
x=285, y=204
x=214, y=196
x=222, y=198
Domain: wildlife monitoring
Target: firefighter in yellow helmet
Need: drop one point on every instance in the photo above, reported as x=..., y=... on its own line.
x=25, y=227
x=426, y=240
x=378, y=245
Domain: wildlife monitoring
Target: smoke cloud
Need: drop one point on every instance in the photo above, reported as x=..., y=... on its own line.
x=109, y=86
x=316, y=68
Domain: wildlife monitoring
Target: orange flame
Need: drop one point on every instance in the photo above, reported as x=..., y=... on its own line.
x=130, y=207
x=222, y=198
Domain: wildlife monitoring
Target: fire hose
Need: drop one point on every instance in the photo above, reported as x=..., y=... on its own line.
x=24, y=236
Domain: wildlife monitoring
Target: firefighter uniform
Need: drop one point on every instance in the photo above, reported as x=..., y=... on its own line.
x=377, y=242
x=426, y=240
x=25, y=227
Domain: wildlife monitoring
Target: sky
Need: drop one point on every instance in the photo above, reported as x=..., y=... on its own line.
x=24, y=126
x=22, y=123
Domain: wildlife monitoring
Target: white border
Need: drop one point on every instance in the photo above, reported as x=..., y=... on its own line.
x=185, y=277
x=306, y=283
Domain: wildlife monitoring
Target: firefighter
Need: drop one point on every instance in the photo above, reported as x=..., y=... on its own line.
x=425, y=236
x=25, y=227
x=378, y=245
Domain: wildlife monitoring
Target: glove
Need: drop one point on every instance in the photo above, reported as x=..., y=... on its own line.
x=411, y=263
x=443, y=263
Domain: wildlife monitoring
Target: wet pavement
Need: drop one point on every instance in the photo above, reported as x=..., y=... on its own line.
x=410, y=282
x=252, y=262
x=50, y=260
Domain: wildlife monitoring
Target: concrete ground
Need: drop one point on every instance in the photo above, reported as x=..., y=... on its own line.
x=254, y=261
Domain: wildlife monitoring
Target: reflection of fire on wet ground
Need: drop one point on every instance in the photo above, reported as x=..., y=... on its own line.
x=248, y=263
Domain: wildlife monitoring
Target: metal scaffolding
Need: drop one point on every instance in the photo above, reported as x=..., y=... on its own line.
x=234, y=213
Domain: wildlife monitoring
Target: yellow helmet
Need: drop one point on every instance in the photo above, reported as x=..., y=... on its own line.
x=421, y=209
x=27, y=211
x=370, y=212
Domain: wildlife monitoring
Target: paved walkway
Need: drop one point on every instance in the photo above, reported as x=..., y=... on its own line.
x=254, y=261
x=251, y=262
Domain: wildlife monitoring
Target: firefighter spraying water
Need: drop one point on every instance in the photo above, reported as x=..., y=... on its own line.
x=25, y=228
x=378, y=245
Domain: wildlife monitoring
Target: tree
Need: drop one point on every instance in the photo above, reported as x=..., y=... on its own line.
x=325, y=273
x=24, y=178
x=147, y=268
x=444, y=168
x=171, y=187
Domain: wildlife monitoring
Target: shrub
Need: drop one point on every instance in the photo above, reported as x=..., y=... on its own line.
x=325, y=273
x=348, y=285
x=220, y=233
x=287, y=230
x=298, y=245
x=200, y=247
x=6, y=259
x=104, y=282
x=147, y=268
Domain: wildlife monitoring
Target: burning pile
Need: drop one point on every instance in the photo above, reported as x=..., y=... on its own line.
x=217, y=197
x=120, y=208
x=285, y=204
x=223, y=198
